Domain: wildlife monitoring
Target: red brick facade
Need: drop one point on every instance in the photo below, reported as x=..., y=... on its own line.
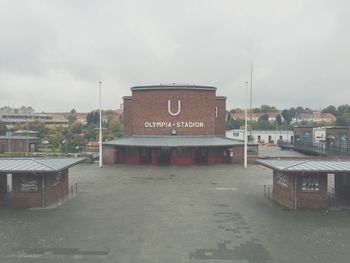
x=168, y=111
x=53, y=191
x=198, y=107
x=291, y=194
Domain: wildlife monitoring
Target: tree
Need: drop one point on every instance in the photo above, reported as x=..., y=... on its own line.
x=331, y=109
x=93, y=117
x=264, y=117
x=40, y=127
x=343, y=120
x=278, y=120
x=287, y=116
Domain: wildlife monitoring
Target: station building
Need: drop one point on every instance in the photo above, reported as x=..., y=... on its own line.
x=173, y=125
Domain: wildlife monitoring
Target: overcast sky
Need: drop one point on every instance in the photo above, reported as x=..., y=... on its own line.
x=53, y=53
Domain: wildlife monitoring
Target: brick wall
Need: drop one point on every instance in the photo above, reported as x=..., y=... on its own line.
x=26, y=199
x=127, y=112
x=17, y=145
x=281, y=193
x=52, y=192
x=313, y=199
x=238, y=154
x=152, y=106
x=108, y=154
x=220, y=120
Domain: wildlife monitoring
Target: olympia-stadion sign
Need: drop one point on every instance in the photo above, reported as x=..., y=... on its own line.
x=178, y=124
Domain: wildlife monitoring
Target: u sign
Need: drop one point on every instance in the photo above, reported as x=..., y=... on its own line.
x=178, y=108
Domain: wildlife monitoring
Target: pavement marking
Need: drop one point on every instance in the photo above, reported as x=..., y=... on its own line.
x=225, y=188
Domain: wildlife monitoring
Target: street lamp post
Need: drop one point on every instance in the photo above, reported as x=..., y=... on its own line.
x=245, y=127
x=100, y=135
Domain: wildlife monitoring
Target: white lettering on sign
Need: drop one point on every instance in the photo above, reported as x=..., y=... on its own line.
x=178, y=108
x=179, y=124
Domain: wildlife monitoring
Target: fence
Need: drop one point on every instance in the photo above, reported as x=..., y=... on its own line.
x=319, y=148
x=72, y=193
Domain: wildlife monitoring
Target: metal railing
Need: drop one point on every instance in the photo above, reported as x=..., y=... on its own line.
x=318, y=148
x=72, y=193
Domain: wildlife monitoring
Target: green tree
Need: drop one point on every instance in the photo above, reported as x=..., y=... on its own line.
x=39, y=127
x=264, y=117
x=287, y=116
x=331, y=109
x=278, y=120
x=93, y=117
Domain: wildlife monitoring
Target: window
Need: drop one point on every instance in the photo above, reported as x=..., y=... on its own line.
x=28, y=184
x=57, y=179
x=282, y=179
x=310, y=184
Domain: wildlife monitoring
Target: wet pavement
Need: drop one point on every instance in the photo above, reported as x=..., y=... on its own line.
x=173, y=214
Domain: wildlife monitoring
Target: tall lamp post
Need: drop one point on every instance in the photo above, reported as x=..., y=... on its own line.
x=100, y=135
x=245, y=127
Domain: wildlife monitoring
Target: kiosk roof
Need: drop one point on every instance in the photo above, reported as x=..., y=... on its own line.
x=11, y=165
x=329, y=166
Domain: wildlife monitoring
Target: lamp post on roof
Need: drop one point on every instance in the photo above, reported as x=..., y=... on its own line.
x=100, y=134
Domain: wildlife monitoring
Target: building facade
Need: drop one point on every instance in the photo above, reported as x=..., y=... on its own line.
x=262, y=136
x=24, y=115
x=173, y=124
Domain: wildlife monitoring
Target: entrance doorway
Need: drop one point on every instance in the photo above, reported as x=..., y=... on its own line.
x=202, y=155
x=145, y=155
x=5, y=189
x=164, y=156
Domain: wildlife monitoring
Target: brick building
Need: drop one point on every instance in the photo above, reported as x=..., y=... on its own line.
x=173, y=124
x=304, y=183
x=34, y=182
x=16, y=143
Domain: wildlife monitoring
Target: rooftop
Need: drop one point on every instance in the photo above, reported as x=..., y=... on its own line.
x=324, y=166
x=173, y=141
x=12, y=165
x=173, y=86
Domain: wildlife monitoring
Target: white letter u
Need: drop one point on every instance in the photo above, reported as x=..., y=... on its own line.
x=178, y=108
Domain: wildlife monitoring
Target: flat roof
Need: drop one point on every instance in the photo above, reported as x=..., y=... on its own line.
x=17, y=137
x=172, y=87
x=173, y=141
x=36, y=165
x=305, y=166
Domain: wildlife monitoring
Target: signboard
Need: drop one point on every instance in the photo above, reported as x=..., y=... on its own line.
x=179, y=124
x=28, y=184
x=310, y=184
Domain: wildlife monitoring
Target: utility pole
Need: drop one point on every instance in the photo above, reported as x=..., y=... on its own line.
x=251, y=96
x=100, y=136
x=245, y=126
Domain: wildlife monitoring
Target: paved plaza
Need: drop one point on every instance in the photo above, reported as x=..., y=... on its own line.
x=150, y=214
